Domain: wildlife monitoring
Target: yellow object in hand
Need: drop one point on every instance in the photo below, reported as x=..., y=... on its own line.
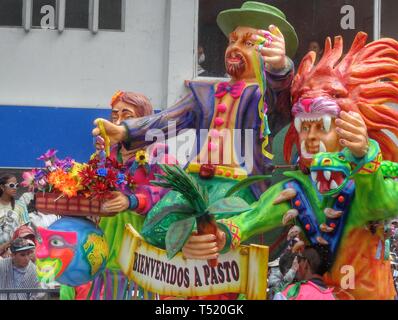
x=104, y=135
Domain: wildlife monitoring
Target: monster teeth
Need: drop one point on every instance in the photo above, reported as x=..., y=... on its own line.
x=314, y=175
x=327, y=175
x=318, y=186
x=333, y=185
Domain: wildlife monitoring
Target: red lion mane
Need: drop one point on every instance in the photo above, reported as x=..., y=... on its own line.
x=363, y=81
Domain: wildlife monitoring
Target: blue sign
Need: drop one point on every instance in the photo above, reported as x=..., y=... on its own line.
x=28, y=132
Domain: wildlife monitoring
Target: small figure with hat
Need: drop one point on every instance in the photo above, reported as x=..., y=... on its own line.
x=18, y=271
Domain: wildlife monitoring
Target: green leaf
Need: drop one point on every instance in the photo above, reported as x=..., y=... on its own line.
x=231, y=205
x=150, y=223
x=246, y=183
x=175, y=178
x=177, y=235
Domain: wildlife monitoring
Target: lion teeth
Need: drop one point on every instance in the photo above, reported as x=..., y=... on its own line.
x=327, y=122
x=297, y=124
x=322, y=147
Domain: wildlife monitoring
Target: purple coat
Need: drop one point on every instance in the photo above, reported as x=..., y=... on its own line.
x=196, y=110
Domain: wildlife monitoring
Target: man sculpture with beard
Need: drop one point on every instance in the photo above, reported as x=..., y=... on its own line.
x=340, y=112
x=224, y=107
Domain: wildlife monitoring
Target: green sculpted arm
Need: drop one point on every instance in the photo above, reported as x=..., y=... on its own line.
x=376, y=196
x=264, y=216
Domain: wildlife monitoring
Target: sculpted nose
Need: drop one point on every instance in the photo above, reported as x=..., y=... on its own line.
x=307, y=104
x=42, y=251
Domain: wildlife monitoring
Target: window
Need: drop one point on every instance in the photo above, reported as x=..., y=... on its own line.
x=76, y=14
x=389, y=22
x=313, y=20
x=44, y=14
x=11, y=13
x=110, y=15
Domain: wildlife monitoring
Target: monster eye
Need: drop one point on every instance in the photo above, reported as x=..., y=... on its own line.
x=326, y=162
x=341, y=157
x=57, y=243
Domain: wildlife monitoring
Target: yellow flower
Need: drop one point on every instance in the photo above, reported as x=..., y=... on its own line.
x=141, y=157
x=74, y=173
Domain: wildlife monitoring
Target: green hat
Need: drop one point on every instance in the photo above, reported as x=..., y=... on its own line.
x=259, y=16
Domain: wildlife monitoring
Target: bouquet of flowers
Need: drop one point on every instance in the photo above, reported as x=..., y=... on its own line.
x=66, y=187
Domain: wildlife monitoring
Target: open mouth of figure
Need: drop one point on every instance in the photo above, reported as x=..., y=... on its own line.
x=328, y=181
x=235, y=63
x=47, y=269
x=235, y=60
x=311, y=151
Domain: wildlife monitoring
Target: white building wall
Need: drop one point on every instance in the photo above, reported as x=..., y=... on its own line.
x=76, y=68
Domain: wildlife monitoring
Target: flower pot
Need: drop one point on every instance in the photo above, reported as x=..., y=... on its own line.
x=54, y=203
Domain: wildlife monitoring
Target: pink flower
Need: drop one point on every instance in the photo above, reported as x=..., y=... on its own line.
x=28, y=178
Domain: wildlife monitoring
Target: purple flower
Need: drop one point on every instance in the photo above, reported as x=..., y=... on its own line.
x=49, y=155
x=39, y=175
x=65, y=164
x=102, y=172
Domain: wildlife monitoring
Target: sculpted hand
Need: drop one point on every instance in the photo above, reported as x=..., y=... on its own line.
x=115, y=133
x=99, y=143
x=118, y=203
x=353, y=133
x=287, y=195
x=274, y=54
x=204, y=247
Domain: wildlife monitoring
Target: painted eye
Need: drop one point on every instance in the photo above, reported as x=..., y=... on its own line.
x=249, y=44
x=341, y=157
x=57, y=243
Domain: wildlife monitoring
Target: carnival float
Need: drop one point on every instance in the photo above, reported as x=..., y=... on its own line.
x=195, y=240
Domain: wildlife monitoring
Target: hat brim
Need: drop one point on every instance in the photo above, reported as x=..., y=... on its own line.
x=229, y=20
x=25, y=248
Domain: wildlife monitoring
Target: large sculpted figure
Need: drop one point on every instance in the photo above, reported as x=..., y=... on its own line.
x=224, y=107
x=339, y=110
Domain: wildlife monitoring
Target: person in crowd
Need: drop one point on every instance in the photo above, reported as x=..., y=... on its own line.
x=294, y=241
x=316, y=47
x=27, y=233
x=284, y=274
x=13, y=213
x=37, y=219
x=18, y=271
x=310, y=285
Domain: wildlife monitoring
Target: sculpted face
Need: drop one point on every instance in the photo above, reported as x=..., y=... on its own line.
x=55, y=251
x=314, y=120
x=239, y=53
x=122, y=111
x=314, y=138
